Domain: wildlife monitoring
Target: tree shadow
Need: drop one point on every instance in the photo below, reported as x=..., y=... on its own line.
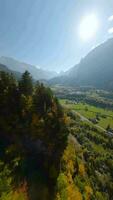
x=37, y=169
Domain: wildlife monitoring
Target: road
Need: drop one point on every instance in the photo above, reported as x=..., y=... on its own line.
x=86, y=119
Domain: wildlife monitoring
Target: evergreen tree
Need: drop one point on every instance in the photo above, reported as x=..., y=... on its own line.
x=25, y=84
x=42, y=99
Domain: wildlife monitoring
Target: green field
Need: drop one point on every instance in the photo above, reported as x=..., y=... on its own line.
x=90, y=112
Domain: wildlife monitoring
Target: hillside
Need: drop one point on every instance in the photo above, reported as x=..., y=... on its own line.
x=32, y=126
x=17, y=75
x=96, y=69
x=48, y=152
x=21, y=67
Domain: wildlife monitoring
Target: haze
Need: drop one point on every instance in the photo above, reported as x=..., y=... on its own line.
x=45, y=32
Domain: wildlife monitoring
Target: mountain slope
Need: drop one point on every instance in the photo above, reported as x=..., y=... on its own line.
x=16, y=65
x=4, y=68
x=96, y=69
x=17, y=75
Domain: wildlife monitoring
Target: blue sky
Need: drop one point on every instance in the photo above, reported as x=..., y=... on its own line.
x=45, y=32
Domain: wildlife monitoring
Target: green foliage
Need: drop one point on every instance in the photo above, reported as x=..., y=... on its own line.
x=35, y=155
x=42, y=99
x=62, y=186
x=33, y=133
x=97, y=150
x=102, y=116
x=5, y=179
x=66, y=189
x=25, y=84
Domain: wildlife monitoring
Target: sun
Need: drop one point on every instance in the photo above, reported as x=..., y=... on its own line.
x=88, y=27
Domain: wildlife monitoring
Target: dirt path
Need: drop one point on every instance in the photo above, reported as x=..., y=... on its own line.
x=86, y=119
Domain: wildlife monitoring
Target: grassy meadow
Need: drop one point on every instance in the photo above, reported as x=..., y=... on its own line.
x=105, y=116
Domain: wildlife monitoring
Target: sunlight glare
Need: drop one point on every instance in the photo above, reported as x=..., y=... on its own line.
x=88, y=27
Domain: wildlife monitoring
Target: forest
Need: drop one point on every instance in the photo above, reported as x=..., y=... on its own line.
x=33, y=136
x=46, y=151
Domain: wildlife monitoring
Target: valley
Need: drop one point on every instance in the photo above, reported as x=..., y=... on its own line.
x=94, y=105
x=91, y=131
x=55, y=143
x=99, y=116
x=56, y=100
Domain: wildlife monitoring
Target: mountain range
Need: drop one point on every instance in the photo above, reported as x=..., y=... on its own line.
x=17, y=66
x=96, y=69
x=16, y=74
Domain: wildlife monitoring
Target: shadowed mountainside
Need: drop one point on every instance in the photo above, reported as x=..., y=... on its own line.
x=96, y=69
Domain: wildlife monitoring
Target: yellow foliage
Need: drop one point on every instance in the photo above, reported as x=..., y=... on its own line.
x=89, y=192
x=73, y=193
x=14, y=196
x=58, y=196
x=81, y=169
x=68, y=161
x=70, y=166
x=67, y=189
x=69, y=177
x=66, y=119
x=69, y=153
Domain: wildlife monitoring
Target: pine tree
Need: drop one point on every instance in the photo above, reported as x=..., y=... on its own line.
x=25, y=84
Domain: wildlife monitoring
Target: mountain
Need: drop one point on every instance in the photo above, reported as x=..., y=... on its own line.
x=17, y=75
x=96, y=69
x=4, y=68
x=18, y=66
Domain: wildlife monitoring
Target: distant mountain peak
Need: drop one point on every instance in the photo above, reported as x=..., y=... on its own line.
x=19, y=66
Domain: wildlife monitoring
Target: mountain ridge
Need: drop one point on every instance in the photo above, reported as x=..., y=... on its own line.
x=95, y=69
x=4, y=68
x=21, y=67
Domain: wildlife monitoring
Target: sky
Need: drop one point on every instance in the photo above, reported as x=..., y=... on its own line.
x=45, y=32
